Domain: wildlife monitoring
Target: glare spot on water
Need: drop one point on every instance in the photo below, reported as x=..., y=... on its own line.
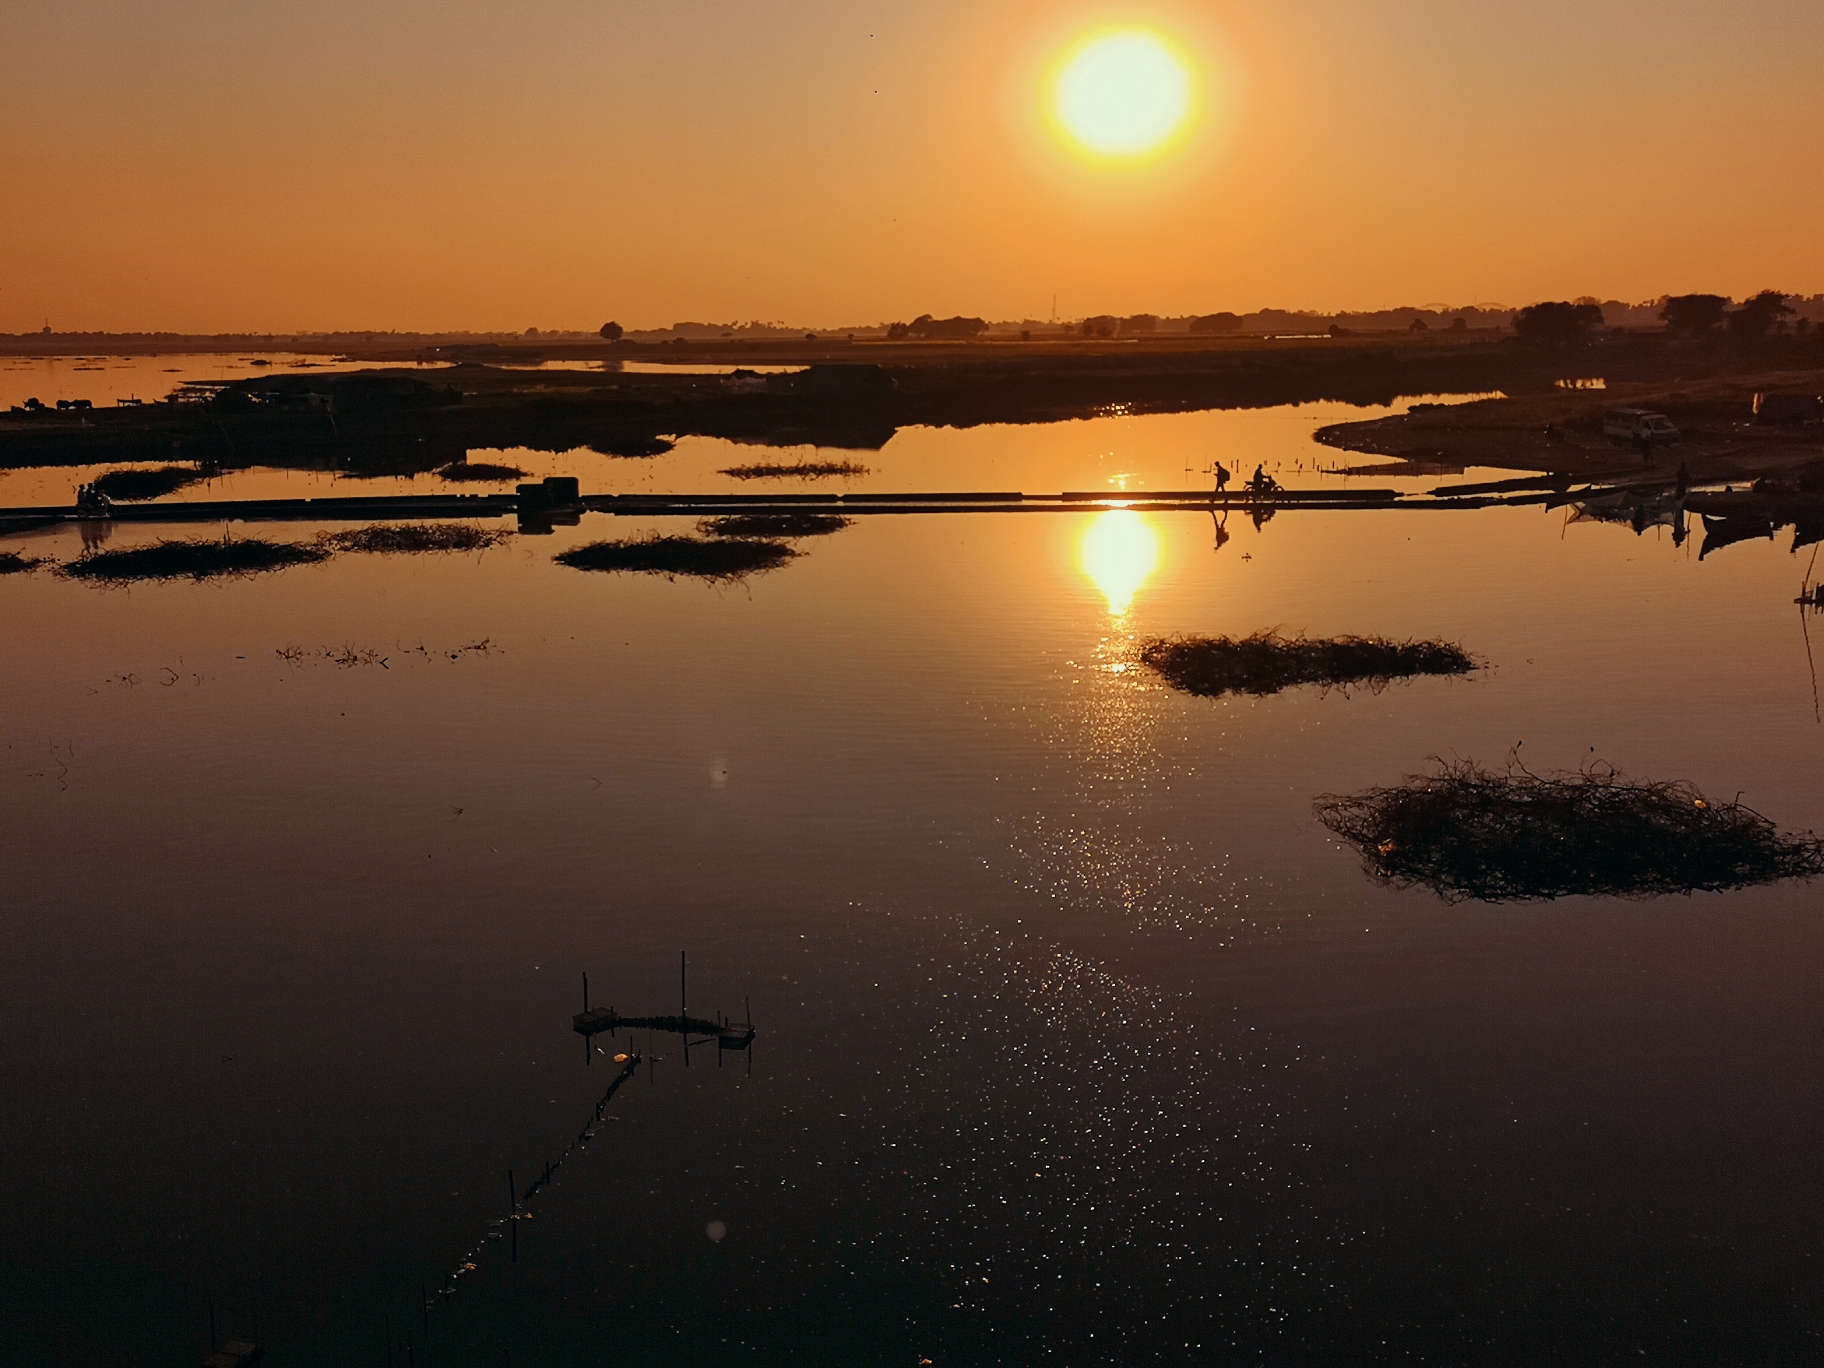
x=1120, y=552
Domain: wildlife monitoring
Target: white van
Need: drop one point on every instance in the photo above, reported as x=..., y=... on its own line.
x=1639, y=426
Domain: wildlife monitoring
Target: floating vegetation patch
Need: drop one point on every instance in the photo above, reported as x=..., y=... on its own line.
x=389, y=539
x=633, y=447
x=11, y=563
x=1465, y=832
x=349, y=656
x=129, y=485
x=479, y=472
x=1267, y=662
x=725, y=559
x=346, y=657
x=798, y=470
x=193, y=560
x=773, y=525
x=483, y=647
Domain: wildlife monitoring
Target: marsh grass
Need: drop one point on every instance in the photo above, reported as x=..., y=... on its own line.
x=723, y=559
x=192, y=560
x=797, y=470
x=391, y=539
x=479, y=472
x=773, y=525
x=11, y=563
x=1467, y=833
x=131, y=485
x=1267, y=662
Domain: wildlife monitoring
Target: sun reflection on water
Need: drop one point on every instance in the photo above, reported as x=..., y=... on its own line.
x=1120, y=552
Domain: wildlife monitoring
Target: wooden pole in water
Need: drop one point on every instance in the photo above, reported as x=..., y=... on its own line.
x=513, y=1212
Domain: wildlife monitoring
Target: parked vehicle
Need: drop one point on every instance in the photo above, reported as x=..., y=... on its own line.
x=1639, y=427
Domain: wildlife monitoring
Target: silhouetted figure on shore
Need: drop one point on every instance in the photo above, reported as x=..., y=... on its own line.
x=1262, y=483
x=1222, y=477
x=1684, y=478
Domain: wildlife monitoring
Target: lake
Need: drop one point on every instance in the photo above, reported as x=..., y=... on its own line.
x=1078, y=1039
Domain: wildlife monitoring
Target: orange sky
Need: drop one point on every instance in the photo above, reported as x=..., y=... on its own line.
x=215, y=164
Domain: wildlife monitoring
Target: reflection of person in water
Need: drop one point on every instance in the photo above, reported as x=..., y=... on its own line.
x=1222, y=528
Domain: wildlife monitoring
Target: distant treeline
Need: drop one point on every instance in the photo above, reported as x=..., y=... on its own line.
x=1612, y=313
x=1615, y=313
x=1609, y=313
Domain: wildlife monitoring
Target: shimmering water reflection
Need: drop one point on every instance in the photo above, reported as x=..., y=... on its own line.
x=1120, y=551
x=1072, y=1020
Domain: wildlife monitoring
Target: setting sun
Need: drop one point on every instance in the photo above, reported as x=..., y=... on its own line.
x=1123, y=95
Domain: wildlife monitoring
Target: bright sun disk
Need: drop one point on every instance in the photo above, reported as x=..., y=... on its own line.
x=1123, y=94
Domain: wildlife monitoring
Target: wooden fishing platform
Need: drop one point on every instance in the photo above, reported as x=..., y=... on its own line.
x=728, y=1035
x=731, y=1035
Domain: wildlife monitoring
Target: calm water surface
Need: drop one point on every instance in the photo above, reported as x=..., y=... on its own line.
x=1079, y=1039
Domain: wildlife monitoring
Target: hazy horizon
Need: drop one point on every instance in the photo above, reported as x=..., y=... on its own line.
x=1642, y=313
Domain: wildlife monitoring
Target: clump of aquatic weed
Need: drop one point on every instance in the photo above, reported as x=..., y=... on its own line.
x=348, y=656
x=479, y=472
x=773, y=525
x=193, y=560
x=798, y=470
x=12, y=563
x=728, y=559
x=483, y=647
x=399, y=538
x=1267, y=662
x=129, y=485
x=1465, y=832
